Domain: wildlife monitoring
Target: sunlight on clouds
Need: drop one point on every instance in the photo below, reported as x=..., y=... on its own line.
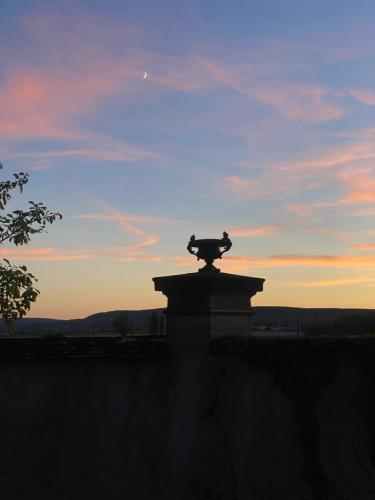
x=280, y=129
x=346, y=154
x=340, y=234
x=339, y=282
x=129, y=223
x=140, y=258
x=97, y=148
x=299, y=102
x=292, y=100
x=45, y=254
x=363, y=96
x=365, y=246
x=307, y=261
x=360, y=184
x=250, y=232
x=246, y=188
x=289, y=261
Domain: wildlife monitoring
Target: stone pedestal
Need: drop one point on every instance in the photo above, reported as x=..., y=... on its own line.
x=206, y=305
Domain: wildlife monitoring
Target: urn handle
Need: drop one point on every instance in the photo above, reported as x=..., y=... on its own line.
x=226, y=243
x=191, y=245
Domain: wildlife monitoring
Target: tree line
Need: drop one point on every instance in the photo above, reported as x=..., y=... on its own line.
x=122, y=324
x=354, y=324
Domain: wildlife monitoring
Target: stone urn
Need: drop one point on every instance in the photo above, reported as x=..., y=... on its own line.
x=209, y=250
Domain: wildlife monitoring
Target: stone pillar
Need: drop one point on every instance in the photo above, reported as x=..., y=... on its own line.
x=206, y=305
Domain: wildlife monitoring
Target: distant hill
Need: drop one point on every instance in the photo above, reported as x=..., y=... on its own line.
x=262, y=315
x=98, y=322
x=138, y=319
x=270, y=314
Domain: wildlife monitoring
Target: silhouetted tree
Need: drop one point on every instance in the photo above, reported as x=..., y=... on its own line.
x=17, y=290
x=154, y=327
x=121, y=324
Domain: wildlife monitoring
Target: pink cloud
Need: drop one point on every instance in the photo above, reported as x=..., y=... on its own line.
x=363, y=96
x=140, y=247
x=333, y=233
x=251, y=232
x=137, y=252
x=79, y=74
x=26, y=251
x=289, y=260
x=44, y=254
x=306, y=261
x=302, y=209
x=347, y=154
x=360, y=185
x=365, y=246
x=348, y=171
x=129, y=223
x=364, y=212
x=247, y=188
x=294, y=101
x=113, y=151
x=42, y=103
x=48, y=103
x=182, y=261
x=360, y=133
x=140, y=258
x=334, y=168
x=299, y=102
x=339, y=282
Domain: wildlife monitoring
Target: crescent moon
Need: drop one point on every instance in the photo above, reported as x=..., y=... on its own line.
x=145, y=76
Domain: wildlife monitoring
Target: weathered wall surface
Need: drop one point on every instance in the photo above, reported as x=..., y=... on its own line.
x=259, y=420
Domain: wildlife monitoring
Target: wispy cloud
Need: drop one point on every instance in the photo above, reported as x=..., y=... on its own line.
x=289, y=260
x=306, y=261
x=363, y=150
x=130, y=223
x=43, y=102
x=140, y=258
x=79, y=75
x=302, y=208
x=138, y=248
x=299, y=102
x=137, y=252
x=339, y=282
x=364, y=212
x=98, y=147
x=364, y=246
x=360, y=184
x=254, y=231
x=363, y=96
x=48, y=104
x=246, y=188
x=45, y=254
x=357, y=183
x=341, y=234
x=133, y=225
x=51, y=90
x=294, y=101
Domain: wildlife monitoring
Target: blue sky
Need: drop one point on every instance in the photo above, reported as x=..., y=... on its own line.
x=255, y=117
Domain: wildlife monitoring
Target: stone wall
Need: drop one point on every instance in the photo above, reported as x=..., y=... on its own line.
x=280, y=419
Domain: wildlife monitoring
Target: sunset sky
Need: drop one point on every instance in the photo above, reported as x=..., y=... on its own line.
x=256, y=117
